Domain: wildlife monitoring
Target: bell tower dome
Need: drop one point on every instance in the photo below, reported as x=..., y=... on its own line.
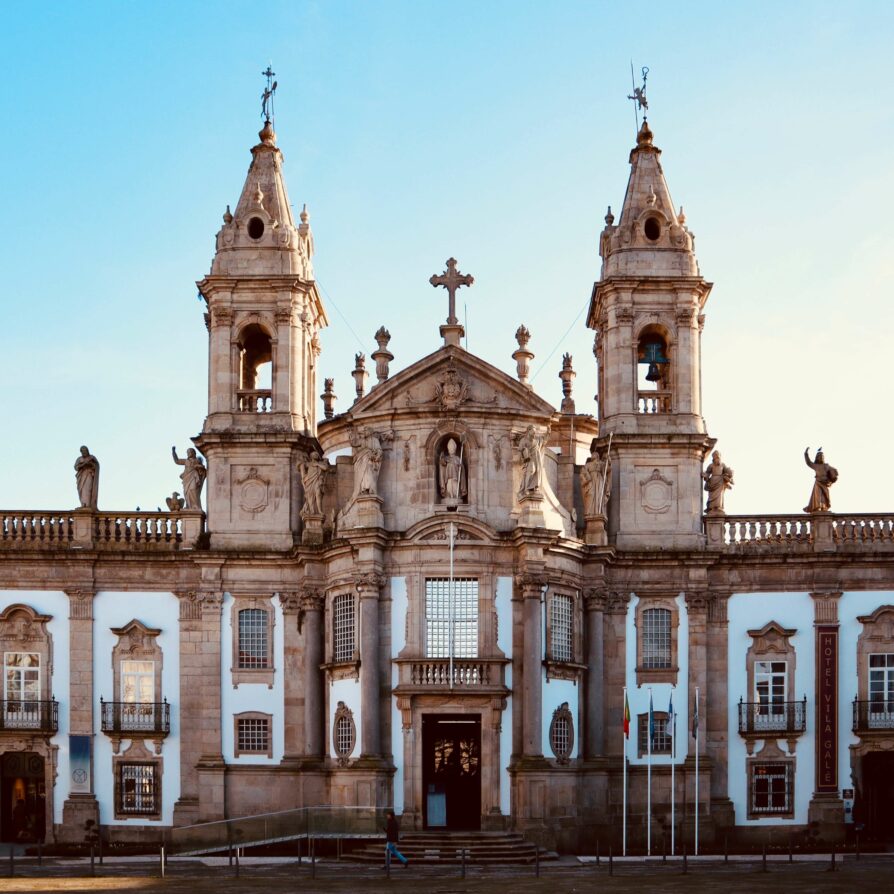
x=647, y=313
x=264, y=316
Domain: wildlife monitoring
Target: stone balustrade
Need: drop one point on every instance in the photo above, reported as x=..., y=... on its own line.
x=87, y=529
x=654, y=402
x=257, y=400
x=468, y=673
x=860, y=529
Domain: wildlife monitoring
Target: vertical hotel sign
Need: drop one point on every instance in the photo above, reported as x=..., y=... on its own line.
x=827, y=709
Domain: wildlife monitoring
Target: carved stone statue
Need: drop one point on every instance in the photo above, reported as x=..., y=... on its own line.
x=826, y=476
x=175, y=502
x=531, y=458
x=313, y=479
x=368, y=455
x=451, y=475
x=193, y=477
x=87, y=477
x=718, y=480
x=596, y=482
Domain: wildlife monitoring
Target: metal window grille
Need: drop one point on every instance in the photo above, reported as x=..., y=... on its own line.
x=560, y=736
x=656, y=637
x=661, y=743
x=253, y=735
x=465, y=617
x=771, y=788
x=343, y=627
x=344, y=735
x=253, y=638
x=138, y=789
x=561, y=629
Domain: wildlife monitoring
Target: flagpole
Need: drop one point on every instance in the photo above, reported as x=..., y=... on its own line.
x=697, y=725
x=624, y=796
x=673, y=720
x=450, y=609
x=649, y=778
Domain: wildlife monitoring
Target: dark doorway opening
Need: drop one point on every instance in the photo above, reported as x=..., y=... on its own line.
x=451, y=771
x=876, y=796
x=23, y=797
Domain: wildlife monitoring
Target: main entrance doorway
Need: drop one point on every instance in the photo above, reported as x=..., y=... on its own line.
x=451, y=771
x=877, y=796
x=23, y=797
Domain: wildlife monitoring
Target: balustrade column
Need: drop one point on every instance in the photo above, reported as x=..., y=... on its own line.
x=312, y=603
x=531, y=586
x=595, y=720
x=368, y=586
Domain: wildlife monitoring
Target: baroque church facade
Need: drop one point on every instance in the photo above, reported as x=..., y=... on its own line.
x=437, y=599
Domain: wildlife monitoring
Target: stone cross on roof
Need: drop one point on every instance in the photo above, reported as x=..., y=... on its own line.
x=451, y=279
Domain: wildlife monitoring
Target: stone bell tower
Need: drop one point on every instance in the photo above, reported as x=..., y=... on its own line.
x=647, y=313
x=264, y=316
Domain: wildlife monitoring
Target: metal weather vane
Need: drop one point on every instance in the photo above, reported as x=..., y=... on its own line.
x=267, y=95
x=639, y=95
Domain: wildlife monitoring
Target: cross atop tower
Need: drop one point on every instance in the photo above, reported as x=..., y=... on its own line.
x=451, y=279
x=267, y=95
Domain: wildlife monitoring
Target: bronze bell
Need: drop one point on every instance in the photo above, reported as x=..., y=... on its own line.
x=654, y=374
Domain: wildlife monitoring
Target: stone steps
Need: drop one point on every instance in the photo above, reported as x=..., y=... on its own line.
x=481, y=848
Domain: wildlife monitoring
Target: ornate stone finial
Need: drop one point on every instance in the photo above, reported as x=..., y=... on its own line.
x=382, y=356
x=228, y=216
x=681, y=217
x=567, y=375
x=306, y=244
x=359, y=373
x=644, y=137
x=259, y=195
x=609, y=217
x=305, y=214
x=267, y=134
x=523, y=356
x=651, y=198
x=328, y=397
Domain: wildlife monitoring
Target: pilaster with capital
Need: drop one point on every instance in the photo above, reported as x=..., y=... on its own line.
x=293, y=676
x=368, y=585
x=595, y=602
x=314, y=720
x=614, y=663
x=714, y=700
x=530, y=587
x=697, y=623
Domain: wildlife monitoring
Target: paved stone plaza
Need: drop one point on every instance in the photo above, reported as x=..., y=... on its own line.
x=274, y=875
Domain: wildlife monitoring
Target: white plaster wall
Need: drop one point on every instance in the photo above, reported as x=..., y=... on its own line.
x=347, y=691
x=54, y=603
x=638, y=697
x=161, y=611
x=750, y=611
x=503, y=606
x=251, y=696
x=850, y=607
x=399, y=608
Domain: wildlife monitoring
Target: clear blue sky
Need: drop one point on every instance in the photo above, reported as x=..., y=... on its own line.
x=495, y=132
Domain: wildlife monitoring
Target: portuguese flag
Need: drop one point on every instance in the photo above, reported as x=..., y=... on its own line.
x=626, y=716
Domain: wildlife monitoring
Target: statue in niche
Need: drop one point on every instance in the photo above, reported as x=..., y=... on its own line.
x=87, y=477
x=596, y=482
x=368, y=454
x=313, y=480
x=718, y=480
x=193, y=477
x=451, y=474
x=826, y=476
x=530, y=447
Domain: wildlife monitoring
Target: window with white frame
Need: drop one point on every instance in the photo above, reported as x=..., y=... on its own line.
x=771, y=788
x=138, y=682
x=253, y=639
x=252, y=735
x=21, y=678
x=343, y=628
x=561, y=627
x=656, y=638
x=137, y=789
x=881, y=689
x=770, y=687
x=451, y=617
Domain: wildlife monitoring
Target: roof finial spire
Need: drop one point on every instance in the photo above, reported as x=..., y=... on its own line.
x=267, y=95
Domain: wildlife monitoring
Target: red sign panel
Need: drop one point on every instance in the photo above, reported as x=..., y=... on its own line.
x=827, y=709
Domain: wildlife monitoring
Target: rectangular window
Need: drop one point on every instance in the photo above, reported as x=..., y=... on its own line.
x=253, y=735
x=138, y=792
x=661, y=741
x=771, y=789
x=21, y=676
x=343, y=628
x=769, y=687
x=881, y=690
x=561, y=628
x=656, y=638
x=138, y=682
x=253, y=645
x=451, y=617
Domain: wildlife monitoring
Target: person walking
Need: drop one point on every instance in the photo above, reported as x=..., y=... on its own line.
x=392, y=836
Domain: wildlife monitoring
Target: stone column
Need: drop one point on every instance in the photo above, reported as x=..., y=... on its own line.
x=314, y=721
x=204, y=699
x=697, y=615
x=595, y=719
x=826, y=806
x=293, y=678
x=80, y=806
x=531, y=586
x=713, y=715
x=368, y=586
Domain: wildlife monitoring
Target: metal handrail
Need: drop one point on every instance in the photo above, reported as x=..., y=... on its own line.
x=151, y=717
x=873, y=714
x=31, y=715
x=772, y=717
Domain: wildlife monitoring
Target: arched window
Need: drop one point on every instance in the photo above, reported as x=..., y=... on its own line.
x=654, y=394
x=255, y=393
x=656, y=634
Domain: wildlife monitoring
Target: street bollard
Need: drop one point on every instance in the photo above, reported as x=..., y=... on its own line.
x=40, y=852
x=100, y=850
x=597, y=851
x=663, y=849
x=611, y=865
x=161, y=860
x=462, y=860
x=230, y=855
x=832, y=864
x=237, y=862
x=537, y=860
x=313, y=858
x=685, y=864
x=857, y=843
x=92, y=859
x=299, y=851
x=791, y=856
x=12, y=862
x=764, y=858
x=726, y=848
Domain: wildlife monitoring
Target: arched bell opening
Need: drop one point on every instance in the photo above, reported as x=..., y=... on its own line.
x=451, y=470
x=653, y=363
x=255, y=393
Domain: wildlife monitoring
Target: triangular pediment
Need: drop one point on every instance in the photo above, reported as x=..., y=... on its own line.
x=452, y=381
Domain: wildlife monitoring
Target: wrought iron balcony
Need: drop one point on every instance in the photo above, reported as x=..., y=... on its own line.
x=29, y=716
x=760, y=719
x=150, y=718
x=874, y=715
